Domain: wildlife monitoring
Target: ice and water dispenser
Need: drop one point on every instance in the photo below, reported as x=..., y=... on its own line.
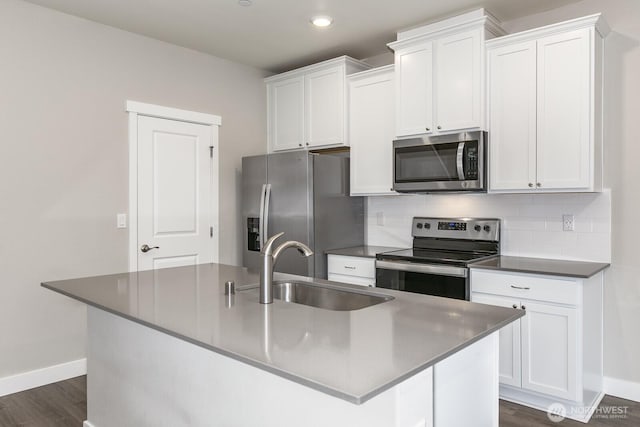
x=253, y=234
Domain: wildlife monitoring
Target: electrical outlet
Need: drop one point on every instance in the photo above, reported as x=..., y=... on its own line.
x=568, y=222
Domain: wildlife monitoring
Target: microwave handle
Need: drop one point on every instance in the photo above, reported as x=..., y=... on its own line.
x=460, y=161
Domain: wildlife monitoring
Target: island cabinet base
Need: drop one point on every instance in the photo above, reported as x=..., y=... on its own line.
x=139, y=376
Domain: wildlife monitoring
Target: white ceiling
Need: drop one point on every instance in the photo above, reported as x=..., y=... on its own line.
x=276, y=35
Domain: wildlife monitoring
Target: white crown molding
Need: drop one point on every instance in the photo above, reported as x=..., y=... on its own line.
x=372, y=72
x=476, y=19
x=159, y=111
x=44, y=376
x=340, y=60
x=591, y=21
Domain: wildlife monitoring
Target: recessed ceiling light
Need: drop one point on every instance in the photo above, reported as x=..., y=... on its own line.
x=245, y=2
x=321, y=21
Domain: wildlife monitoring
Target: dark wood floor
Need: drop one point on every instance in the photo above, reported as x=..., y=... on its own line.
x=64, y=404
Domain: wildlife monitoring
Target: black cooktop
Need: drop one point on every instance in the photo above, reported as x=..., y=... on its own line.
x=433, y=256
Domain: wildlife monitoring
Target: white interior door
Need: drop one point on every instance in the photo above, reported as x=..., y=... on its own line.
x=177, y=191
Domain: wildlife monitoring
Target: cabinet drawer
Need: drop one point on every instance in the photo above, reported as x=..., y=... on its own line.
x=548, y=288
x=351, y=266
x=354, y=280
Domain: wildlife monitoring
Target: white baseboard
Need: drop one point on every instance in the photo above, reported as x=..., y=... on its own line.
x=622, y=388
x=87, y=424
x=44, y=376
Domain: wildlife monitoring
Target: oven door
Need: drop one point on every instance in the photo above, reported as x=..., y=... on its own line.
x=428, y=279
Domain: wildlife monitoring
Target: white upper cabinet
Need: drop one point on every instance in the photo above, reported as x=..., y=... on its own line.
x=440, y=74
x=286, y=105
x=512, y=102
x=324, y=106
x=307, y=106
x=458, y=80
x=545, y=108
x=371, y=131
x=414, y=88
x=564, y=104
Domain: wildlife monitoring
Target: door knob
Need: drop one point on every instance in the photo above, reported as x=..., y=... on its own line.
x=530, y=184
x=146, y=248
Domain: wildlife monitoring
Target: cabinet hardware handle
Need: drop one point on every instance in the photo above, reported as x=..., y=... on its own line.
x=530, y=184
x=146, y=248
x=307, y=143
x=523, y=307
x=439, y=127
x=428, y=129
x=515, y=306
x=299, y=145
x=348, y=267
x=526, y=288
x=538, y=184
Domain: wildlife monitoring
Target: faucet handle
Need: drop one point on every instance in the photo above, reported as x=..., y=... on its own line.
x=269, y=243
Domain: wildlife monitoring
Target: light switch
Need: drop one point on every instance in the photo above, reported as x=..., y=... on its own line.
x=121, y=221
x=380, y=218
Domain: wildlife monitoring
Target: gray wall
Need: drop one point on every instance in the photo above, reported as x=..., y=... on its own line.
x=622, y=174
x=63, y=160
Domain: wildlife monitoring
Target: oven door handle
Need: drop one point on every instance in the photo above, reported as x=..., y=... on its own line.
x=460, y=161
x=443, y=270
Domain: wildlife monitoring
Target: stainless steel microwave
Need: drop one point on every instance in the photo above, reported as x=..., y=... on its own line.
x=454, y=162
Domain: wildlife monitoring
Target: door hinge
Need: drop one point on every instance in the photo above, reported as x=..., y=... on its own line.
x=210, y=231
x=211, y=151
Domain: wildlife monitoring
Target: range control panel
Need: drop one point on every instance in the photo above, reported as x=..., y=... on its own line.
x=457, y=228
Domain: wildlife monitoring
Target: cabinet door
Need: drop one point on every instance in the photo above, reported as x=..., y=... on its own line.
x=371, y=130
x=564, y=137
x=325, y=106
x=549, y=350
x=512, y=117
x=286, y=114
x=414, y=89
x=458, y=81
x=510, y=373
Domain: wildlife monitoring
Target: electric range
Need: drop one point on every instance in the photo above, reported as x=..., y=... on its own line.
x=437, y=264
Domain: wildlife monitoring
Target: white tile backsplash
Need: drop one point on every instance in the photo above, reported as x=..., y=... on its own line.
x=531, y=223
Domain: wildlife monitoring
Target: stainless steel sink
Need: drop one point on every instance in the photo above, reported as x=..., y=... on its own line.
x=321, y=296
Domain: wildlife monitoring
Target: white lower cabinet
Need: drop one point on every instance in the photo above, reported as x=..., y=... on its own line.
x=351, y=269
x=553, y=353
x=509, y=341
x=550, y=350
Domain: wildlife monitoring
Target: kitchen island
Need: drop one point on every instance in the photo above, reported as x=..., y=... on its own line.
x=168, y=347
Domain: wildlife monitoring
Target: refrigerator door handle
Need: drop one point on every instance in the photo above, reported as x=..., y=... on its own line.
x=267, y=198
x=261, y=220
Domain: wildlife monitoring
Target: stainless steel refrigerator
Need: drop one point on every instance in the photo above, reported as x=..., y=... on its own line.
x=306, y=196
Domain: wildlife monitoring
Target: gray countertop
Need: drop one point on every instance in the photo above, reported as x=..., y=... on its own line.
x=362, y=251
x=353, y=355
x=553, y=267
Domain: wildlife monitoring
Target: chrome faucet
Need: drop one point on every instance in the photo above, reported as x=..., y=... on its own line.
x=269, y=259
